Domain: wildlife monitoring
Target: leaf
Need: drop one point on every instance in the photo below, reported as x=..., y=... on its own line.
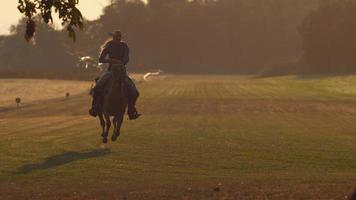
x=67, y=11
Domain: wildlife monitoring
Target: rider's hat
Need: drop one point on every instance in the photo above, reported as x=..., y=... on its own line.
x=116, y=33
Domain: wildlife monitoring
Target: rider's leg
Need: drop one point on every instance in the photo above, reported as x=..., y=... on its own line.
x=100, y=84
x=133, y=95
x=97, y=93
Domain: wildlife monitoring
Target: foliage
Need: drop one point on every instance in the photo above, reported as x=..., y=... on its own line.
x=181, y=36
x=67, y=11
x=197, y=36
x=328, y=37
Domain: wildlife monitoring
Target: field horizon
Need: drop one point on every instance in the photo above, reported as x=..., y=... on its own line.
x=200, y=137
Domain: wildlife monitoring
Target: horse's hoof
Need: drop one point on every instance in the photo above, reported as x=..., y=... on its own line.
x=105, y=140
x=114, y=137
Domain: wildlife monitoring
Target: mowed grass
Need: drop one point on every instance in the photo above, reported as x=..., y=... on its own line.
x=200, y=137
x=32, y=90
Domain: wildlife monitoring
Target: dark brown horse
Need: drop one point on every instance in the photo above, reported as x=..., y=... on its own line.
x=114, y=103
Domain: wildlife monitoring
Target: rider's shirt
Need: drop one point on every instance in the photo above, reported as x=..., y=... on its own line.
x=116, y=50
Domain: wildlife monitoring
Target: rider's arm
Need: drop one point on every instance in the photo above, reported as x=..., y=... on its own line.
x=103, y=57
x=103, y=54
x=125, y=58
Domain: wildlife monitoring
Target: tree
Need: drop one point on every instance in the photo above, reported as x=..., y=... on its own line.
x=68, y=13
x=203, y=36
x=188, y=36
x=329, y=37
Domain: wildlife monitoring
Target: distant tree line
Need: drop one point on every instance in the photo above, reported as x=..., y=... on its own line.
x=329, y=38
x=204, y=36
x=48, y=52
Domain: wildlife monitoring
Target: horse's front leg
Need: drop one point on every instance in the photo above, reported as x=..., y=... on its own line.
x=102, y=124
x=114, y=121
x=108, y=125
x=118, y=122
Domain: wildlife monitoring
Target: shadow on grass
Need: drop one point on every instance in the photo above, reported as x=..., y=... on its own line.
x=61, y=159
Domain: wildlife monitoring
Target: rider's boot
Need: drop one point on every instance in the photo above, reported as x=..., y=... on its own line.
x=132, y=98
x=132, y=112
x=93, y=111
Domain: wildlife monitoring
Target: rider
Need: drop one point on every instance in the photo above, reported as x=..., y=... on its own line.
x=113, y=52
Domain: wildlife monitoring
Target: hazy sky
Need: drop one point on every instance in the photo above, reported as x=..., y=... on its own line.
x=91, y=9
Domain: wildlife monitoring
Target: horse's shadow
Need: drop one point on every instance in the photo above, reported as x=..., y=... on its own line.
x=62, y=159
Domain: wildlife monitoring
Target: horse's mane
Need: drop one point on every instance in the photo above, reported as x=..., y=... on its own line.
x=117, y=80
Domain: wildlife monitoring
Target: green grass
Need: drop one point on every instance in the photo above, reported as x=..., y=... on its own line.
x=271, y=138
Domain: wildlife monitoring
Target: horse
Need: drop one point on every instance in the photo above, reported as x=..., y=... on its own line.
x=114, y=103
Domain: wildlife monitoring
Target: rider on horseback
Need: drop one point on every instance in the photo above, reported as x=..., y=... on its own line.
x=115, y=52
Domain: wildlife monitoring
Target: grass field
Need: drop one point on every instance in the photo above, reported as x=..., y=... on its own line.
x=200, y=137
x=34, y=90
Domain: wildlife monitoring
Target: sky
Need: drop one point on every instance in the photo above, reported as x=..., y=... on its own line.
x=91, y=9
